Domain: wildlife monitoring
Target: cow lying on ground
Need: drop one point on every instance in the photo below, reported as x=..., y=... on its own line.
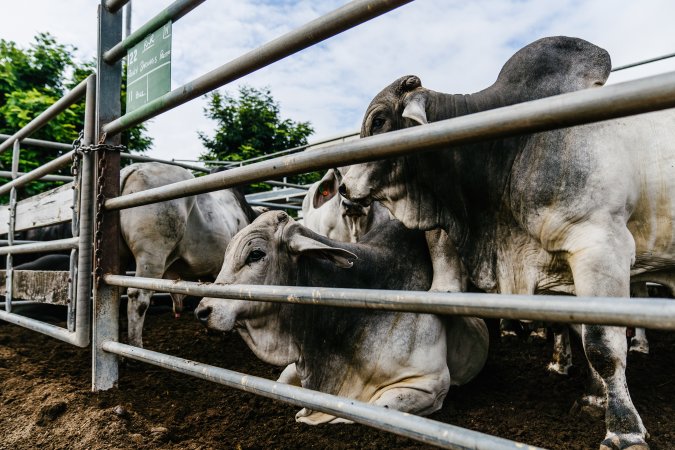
x=177, y=239
x=586, y=209
x=404, y=361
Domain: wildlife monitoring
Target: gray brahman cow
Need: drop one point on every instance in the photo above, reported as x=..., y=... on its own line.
x=333, y=216
x=404, y=361
x=586, y=209
x=178, y=239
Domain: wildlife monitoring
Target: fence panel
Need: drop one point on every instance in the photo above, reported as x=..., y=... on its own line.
x=98, y=212
x=56, y=206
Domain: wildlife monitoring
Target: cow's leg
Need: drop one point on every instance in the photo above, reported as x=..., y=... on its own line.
x=290, y=376
x=511, y=327
x=448, y=272
x=600, y=266
x=139, y=299
x=639, y=343
x=561, y=361
x=538, y=330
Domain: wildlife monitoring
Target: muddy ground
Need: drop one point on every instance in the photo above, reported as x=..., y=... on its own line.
x=46, y=403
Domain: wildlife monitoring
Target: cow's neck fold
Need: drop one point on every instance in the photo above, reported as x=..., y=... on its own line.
x=466, y=178
x=270, y=338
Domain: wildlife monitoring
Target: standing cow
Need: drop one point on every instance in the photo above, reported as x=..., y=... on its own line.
x=183, y=238
x=404, y=361
x=579, y=209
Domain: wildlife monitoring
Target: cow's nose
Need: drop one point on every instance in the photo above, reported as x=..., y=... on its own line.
x=203, y=313
x=364, y=201
x=348, y=204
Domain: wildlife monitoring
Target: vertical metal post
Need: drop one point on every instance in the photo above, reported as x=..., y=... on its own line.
x=10, y=234
x=127, y=20
x=80, y=313
x=72, y=292
x=106, y=298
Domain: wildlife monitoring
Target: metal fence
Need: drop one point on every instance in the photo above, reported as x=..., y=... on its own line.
x=619, y=100
x=24, y=214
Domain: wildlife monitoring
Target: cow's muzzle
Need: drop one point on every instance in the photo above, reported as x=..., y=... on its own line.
x=364, y=201
x=202, y=313
x=351, y=209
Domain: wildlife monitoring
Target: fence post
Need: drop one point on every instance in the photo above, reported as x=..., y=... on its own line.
x=106, y=241
x=12, y=222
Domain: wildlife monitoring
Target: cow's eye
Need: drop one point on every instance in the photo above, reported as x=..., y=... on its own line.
x=378, y=122
x=255, y=255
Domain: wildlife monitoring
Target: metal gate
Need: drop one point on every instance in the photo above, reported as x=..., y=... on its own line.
x=35, y=211
x=99, y=214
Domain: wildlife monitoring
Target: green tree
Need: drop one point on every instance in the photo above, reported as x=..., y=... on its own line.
x=250, y=126
x=31, y=80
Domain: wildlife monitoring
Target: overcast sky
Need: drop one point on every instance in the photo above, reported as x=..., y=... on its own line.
x=454, y=46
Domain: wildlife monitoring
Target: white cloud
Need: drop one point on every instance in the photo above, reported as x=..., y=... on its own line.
x=454, y=46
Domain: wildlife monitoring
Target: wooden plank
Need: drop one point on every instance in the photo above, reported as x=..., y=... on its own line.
x=38, y=285
x=54, y=206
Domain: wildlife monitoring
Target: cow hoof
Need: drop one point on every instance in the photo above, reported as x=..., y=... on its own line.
x=539, y=333
x=558, y=368
x=589, y=406
x=508, y=333
x=639, y=346
x=626, y=442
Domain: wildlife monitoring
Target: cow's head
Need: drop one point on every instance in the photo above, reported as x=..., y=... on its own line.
x=406, y=185
x=352, y=219
x=402, y=104
x=265, y=252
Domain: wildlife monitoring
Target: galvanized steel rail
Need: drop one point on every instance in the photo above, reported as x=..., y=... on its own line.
x=648, y=312
x=414, y=427
x=575, y=108
x=590, y=105
x=37, y=247
x=8, y=174
x=61, y=105
x=143, y=158
x=341, y=19
x=173, y=12
x=38, y=173
x=40, y=143
x=644, y=61
x=114, y=5
x=79, y=311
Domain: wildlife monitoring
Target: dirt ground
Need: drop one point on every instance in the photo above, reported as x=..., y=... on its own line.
x=46, y=401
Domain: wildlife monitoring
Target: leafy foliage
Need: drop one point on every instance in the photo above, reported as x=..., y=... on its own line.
x=31, y=80
x=250, y=126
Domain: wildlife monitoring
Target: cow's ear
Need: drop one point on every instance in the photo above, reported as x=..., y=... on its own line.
x=306, y=246
x=416, y=109
x=328, y=187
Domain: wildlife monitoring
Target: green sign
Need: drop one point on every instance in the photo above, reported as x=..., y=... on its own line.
x=149, y=68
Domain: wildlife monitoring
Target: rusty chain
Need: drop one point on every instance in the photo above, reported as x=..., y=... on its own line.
x=77, y=155
x=103, y=149
x=75, y=172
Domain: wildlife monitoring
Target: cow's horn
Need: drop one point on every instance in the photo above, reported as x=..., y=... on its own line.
x=409, y=83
